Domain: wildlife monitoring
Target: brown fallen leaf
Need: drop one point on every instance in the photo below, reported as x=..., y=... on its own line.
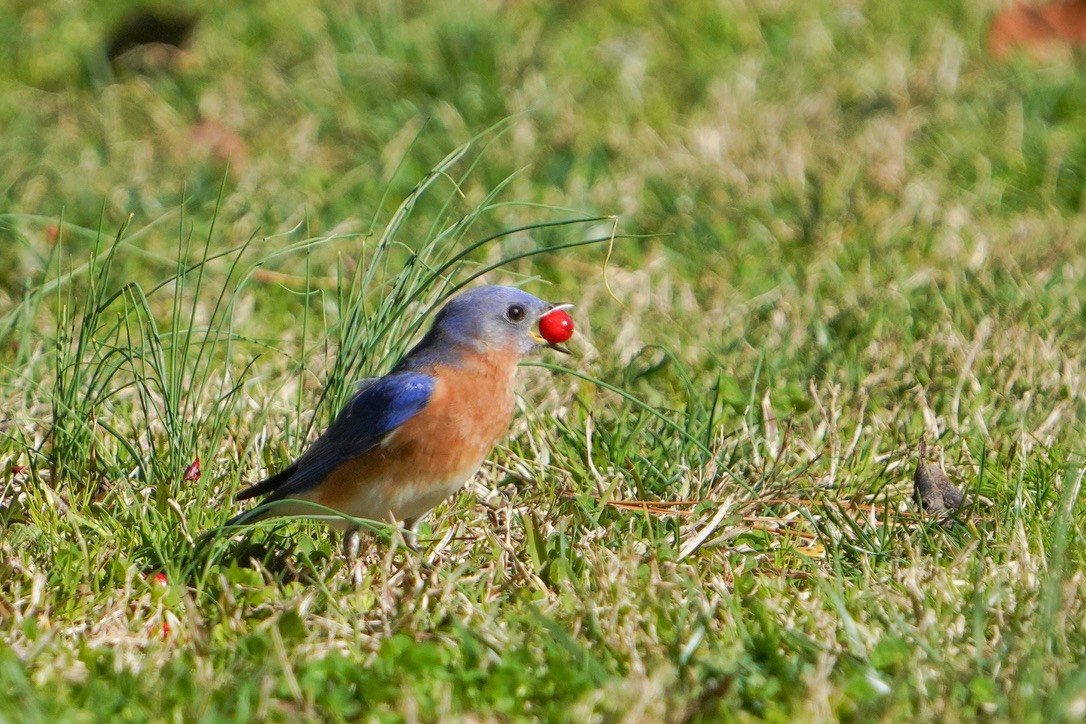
x=931, y=488
x=220, y=143
x=1043, y=32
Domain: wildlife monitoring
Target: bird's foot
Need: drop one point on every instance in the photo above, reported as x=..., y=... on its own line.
x=411, y=533
x=352, y=543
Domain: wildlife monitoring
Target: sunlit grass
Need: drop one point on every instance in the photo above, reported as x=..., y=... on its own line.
x=800, y=238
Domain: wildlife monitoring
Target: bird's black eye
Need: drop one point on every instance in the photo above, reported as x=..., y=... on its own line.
x=515, y=313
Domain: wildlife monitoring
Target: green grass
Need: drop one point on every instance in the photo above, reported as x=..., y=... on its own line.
x=801, y=236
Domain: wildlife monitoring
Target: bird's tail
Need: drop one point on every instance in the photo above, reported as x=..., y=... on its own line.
x=246, y=517
x=252, y=515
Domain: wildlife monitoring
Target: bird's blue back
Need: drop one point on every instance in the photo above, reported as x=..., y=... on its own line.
x=372, y=414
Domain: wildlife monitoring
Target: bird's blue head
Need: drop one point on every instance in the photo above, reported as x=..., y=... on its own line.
x=495, y=317
x=492, y=318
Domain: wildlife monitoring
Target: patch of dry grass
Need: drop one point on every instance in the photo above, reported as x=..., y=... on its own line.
x=842, y=229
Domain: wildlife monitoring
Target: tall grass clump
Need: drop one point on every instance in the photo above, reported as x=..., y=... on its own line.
x=149, y=383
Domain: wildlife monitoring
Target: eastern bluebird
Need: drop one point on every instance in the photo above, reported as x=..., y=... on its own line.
x=410, y=439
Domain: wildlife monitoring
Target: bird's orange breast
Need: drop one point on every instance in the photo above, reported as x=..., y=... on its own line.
x=434, y=453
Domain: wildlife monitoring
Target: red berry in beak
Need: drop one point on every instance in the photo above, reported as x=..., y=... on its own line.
x=556, y=327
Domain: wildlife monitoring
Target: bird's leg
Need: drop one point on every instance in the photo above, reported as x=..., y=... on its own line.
x=352, y=541
x=421, y=567
x=411, y=532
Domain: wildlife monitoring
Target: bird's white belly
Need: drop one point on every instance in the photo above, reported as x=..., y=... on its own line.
x=386, y=499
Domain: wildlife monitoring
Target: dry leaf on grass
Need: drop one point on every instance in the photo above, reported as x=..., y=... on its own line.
x=931, y=488
x=1044, y=32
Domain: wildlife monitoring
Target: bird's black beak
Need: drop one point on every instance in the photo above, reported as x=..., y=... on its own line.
x=558, y=348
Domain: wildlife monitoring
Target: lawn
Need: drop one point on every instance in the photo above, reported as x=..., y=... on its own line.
x=802, y=238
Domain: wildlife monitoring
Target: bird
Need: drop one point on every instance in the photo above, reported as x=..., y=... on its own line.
x=406, y=441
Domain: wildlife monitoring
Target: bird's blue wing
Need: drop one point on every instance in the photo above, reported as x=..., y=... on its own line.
x=375, y=412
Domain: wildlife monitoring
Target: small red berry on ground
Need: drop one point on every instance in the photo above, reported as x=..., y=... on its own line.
x=192, y=472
